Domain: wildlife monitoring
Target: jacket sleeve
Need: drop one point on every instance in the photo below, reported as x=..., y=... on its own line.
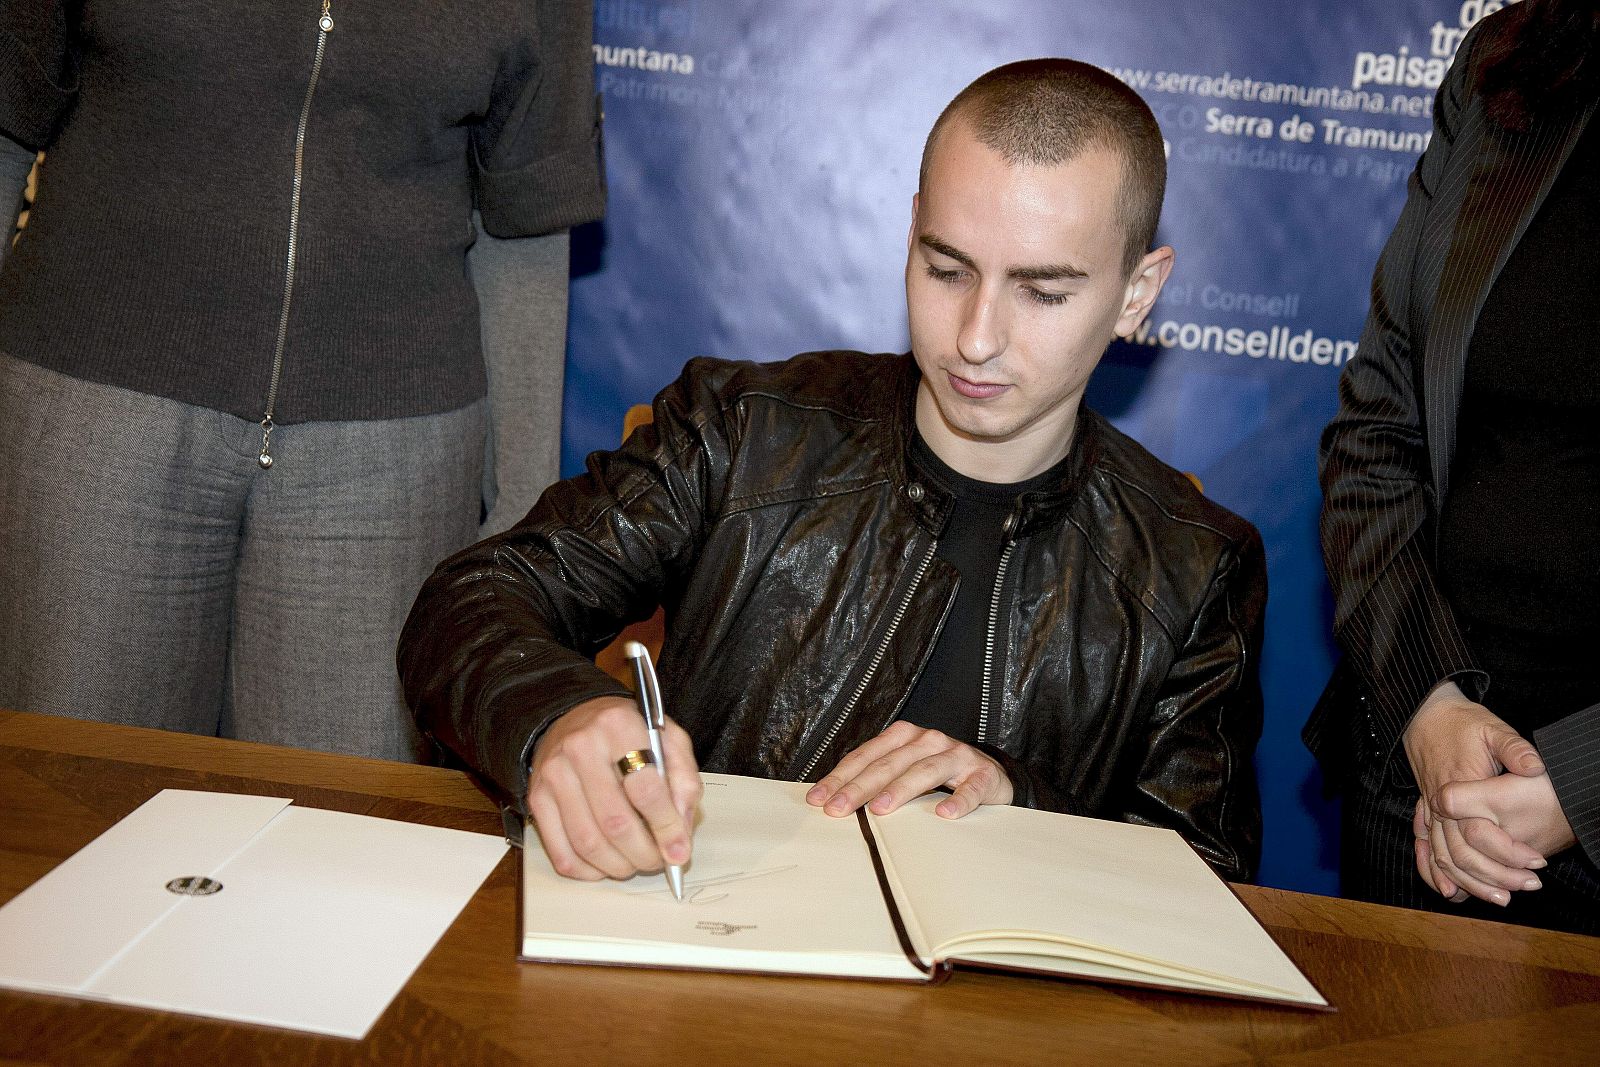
x=536, y=156
x=38, y=68
x=501, y=638
x=1196, y=773
x=1570, y=748
x=1389, y=614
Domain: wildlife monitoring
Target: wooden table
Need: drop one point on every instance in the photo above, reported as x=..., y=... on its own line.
x=1410, y=987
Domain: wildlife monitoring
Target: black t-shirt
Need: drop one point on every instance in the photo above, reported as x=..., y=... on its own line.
x=1519, y=537
x=947, y=694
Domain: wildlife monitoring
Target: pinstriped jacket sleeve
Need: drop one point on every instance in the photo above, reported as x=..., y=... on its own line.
x=1390, y=617
x=1571, y=751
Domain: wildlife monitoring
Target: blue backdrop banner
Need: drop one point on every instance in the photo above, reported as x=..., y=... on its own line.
x=762, y=157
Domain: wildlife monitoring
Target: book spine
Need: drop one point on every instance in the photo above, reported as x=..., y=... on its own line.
x=937, y=971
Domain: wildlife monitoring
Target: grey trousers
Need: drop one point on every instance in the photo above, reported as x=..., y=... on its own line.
x=152, y=573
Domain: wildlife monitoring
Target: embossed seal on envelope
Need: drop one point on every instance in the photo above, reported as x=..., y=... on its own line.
x=193, y=885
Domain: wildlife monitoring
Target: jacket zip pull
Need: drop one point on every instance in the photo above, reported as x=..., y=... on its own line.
x=325, y=23
x=265, y=459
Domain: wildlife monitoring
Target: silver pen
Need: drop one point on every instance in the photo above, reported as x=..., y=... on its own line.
x=655, y=720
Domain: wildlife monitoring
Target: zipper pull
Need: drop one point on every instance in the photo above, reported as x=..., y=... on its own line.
x=325, y=24
x=265, y=459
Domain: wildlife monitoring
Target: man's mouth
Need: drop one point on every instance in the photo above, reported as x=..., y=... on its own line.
x=975, y=390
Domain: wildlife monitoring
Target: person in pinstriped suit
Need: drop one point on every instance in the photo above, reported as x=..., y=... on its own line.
x=1461, y=521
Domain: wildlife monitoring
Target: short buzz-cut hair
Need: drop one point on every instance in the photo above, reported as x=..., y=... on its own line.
x=1048, y=111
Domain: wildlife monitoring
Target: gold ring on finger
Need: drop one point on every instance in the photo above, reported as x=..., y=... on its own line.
x=637, y=760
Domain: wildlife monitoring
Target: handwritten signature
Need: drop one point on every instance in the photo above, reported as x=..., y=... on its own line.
x=700, y=892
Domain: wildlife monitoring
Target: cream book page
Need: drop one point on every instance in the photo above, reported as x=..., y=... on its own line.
x=1016, y=887
x=774, y=885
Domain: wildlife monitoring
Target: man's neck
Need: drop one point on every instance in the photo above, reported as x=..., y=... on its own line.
x=1003, y=462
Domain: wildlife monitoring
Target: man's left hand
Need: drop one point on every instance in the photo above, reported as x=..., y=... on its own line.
x=904, y=762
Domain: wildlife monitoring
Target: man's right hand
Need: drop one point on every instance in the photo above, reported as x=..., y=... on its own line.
x=594, y=822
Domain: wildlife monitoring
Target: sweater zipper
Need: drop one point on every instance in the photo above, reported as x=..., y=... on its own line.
x=988, y=640
x=872, y=668
x=324, y=27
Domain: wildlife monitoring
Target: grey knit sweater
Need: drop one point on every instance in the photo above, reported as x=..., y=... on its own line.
x=156, y=257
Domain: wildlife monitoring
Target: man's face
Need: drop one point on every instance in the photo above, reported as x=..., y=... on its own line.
x=1014, y=287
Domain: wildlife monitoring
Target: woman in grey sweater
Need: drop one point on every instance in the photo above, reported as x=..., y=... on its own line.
x=242, y=366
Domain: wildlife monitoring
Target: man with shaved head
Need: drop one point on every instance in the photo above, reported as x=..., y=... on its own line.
x=890, y=574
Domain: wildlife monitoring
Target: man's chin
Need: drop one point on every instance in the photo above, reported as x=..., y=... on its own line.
x=992, y=430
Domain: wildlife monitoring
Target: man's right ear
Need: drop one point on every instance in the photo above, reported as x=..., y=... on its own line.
x=911, y=235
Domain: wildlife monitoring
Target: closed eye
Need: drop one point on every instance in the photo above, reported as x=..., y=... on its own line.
x=939, y=274
x=1038, y=296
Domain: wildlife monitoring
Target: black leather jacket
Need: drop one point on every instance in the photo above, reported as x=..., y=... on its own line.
x=770, y=510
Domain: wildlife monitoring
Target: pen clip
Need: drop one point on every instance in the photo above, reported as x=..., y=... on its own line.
x=644, y=681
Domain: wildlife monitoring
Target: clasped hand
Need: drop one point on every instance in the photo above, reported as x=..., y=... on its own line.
x=1478, y=831
x=597, y=823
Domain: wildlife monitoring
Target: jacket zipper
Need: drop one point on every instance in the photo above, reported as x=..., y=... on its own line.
x=872, y=668
x=324, y=27
x=988, y=641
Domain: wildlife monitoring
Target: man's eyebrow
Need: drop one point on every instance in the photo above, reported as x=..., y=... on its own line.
x=1048, y=272
x=1042, y=273
x=946, y=249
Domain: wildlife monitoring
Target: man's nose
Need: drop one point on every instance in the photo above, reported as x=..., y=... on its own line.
x=983, y=327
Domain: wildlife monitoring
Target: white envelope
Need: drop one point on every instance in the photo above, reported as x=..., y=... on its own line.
x=320, y=918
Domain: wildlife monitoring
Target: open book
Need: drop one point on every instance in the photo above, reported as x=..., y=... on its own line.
x=777, y=886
